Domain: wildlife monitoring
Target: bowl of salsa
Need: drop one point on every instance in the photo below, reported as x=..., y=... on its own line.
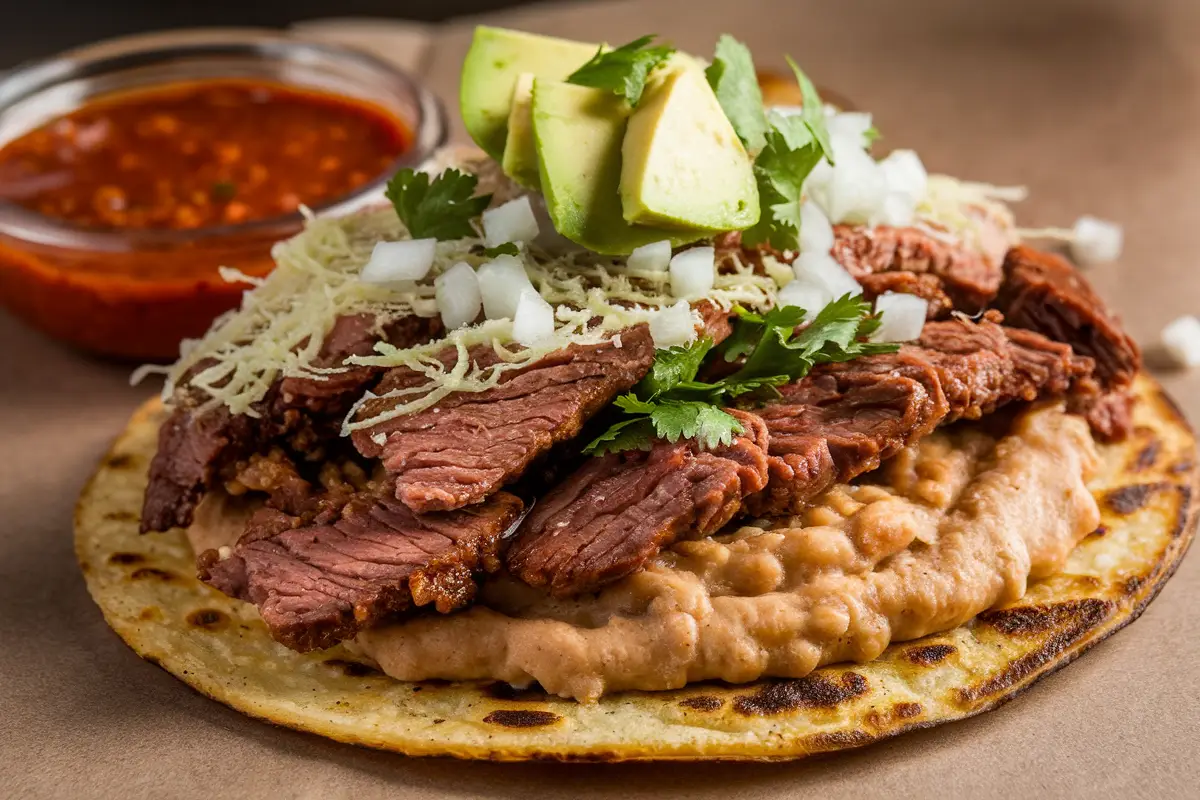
x=128, y=179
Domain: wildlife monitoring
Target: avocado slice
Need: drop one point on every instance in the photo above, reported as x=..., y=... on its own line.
x=520, y=160
x=682, y=161
x=578, y=132
x=489, y=74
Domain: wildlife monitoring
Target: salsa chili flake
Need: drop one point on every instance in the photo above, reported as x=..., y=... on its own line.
x=199, y=154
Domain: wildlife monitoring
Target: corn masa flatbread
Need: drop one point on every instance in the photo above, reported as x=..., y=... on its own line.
x=147, y=590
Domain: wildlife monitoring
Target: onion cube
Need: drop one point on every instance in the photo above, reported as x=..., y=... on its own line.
x=693, y=272
x=653, y=257
x=1181, y=340
x=902, y=316
x=501, y=282
x=805, y=293
x=512, y=222
x=822, y=269
x=533, y=320
x=816, y=234
x=457, y=294
x=858, y=188
x=1096, y=241
x=673, y=325
x=905, y=175
x=849, y=126
x=407, y=260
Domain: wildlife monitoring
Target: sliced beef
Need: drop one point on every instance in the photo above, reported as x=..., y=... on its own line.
x=194, y=449
x=191, y=448
x=968, y=279
x=1044, y=293
x=332, y=394
x=615, y=513
x=471, y=444
x=845, y=419
x=316, y=585
x=927, y=286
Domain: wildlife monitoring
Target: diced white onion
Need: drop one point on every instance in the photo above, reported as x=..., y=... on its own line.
x=821, y=269
x=673, y=325
x=851, y=126
x=897, y=211
x=533, y=320
x=1096, y=241
x=905, y=175
x=816, y=234
x=902, y=316
x=408, y=260
x=1181, y=340
x=653, y=257
x=693, y=272
x=501, y=282
x=858, y=187
x=512, y=222
x=805, y=293
x=457, y=294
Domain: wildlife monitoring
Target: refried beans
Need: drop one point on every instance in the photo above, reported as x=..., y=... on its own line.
x=945, y=530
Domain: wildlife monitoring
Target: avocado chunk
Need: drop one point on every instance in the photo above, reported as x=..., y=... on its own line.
x=578, y=132
x=682, y=161
x=520, y=154
x=489, y=74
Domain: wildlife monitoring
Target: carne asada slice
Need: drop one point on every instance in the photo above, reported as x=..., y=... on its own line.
x=1044, y=293
x=470, y=444
x=615, y=513
x=316, y=585
x=919, y=261
x=351, y=335
x=193, y=449
x=845, y=419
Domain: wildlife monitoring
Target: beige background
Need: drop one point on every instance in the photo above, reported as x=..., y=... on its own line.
x=1094, y=105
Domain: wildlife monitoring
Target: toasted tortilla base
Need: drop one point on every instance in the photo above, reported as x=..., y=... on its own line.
x=145, y=586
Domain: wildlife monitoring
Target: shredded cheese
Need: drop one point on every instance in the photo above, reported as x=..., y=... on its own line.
x=284, y=317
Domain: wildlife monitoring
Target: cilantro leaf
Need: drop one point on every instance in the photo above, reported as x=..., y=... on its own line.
x=506, y=249
x=672, y=367
x=812, y=110
x=836, y=334
x=669, y=403
x=629, y=434
x=623, y=71
x=791, y=153
x=689, y=419
x=733, y=79
x=441, y=209
x=872, y=135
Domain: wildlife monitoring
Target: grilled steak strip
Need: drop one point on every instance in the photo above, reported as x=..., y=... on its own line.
x=193, y=449
x=319, y=584
x=616, y=512
x=470, y=444
x=1044, y=293
x=949, y=275
x=845, y=419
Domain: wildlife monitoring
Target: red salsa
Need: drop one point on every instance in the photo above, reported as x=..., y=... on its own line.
x=199, y=154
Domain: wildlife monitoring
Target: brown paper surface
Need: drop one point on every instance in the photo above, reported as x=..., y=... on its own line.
x=1095, y=106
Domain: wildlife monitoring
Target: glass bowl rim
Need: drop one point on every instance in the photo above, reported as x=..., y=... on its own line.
x=430, y=130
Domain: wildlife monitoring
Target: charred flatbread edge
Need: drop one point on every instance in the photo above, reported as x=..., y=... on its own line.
x=146, y=588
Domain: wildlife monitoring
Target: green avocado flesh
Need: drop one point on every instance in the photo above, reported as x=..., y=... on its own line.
x=682, y=162
x=489, y=75
x=520, y=160
x=578, y=133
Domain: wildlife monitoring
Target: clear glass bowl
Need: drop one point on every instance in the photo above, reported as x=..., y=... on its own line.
x=137, y=293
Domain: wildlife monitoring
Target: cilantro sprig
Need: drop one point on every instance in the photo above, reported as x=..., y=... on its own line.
x=623, y=71
x=669, y=403
x=441, y=209
x=795, y=144
x=735, y=83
